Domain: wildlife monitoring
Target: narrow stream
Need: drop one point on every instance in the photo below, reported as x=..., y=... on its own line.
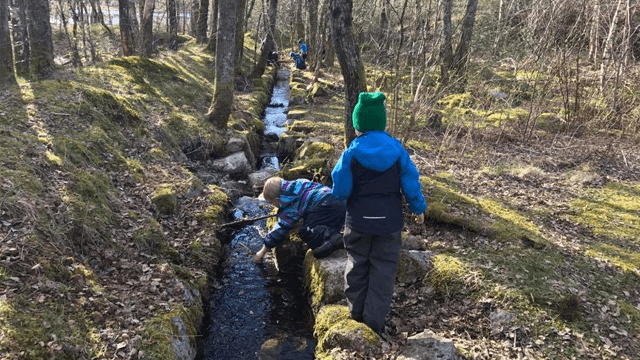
x=256, y=311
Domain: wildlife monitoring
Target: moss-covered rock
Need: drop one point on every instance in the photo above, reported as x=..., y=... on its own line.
x=150, y=236
x=324, y=278
x=351, y=336
x=450, y=276
x=165, y=199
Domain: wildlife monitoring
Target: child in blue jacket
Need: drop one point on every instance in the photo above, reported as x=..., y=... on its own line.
x=372, y=175
x=299, y=199
x=299, y=61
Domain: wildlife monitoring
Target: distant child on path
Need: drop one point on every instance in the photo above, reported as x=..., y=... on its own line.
x=372, y=175
x=303, y=49
x=323, y=215
x=299, y=60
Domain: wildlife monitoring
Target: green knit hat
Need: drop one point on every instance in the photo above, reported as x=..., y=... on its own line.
x=369, y=113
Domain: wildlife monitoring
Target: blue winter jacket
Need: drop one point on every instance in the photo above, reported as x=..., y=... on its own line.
x=296, y=197
x=376, y=162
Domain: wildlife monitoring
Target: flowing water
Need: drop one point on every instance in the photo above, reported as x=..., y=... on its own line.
x=256, y=311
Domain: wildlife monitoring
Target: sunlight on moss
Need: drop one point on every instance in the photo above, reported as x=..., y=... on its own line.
x=25, y=326
x=625, y=259
x=419, y=145
x=53, y=158
x=613, y=211
x=456, y=100
x=513, y=225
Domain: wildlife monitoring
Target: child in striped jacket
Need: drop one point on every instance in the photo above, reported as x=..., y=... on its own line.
x=300, y=199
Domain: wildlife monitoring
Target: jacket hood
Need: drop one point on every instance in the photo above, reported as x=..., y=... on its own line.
x=376, y=150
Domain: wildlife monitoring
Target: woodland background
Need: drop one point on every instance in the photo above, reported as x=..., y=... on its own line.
x=522, y=116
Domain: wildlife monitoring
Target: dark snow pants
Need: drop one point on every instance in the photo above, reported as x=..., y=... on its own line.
x=323, y=220
x=370, y=274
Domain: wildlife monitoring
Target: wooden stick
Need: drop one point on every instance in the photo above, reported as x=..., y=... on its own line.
x=244, y=221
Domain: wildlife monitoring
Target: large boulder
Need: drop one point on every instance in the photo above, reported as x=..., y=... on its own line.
x=339, y=336
x=236, y=165
x=257, y=179
x=427, y=346
x=413, y=265
x=324, y=278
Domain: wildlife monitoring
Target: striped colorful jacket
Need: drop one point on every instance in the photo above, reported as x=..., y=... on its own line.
x=296, y=198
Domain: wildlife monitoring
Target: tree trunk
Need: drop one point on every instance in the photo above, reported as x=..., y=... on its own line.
x=461, y=57
x=299, y=21
x=97, y=16
x=195, y=5
x=40, y=40
x=126, y=35
x=446, y=50
x=607, y=53
x=147, y=27
x=203, y=16
x=267, y=45
x=312, y=40
x=21, y=50
x=6, y=52
x=173, y=24
x=594, y=34
x=240, y=9
x=222, y=102
x=135, y=25
x=349, y=58
x=213, y=36
x=322, y=43
x=72, y=44
x=248, y=14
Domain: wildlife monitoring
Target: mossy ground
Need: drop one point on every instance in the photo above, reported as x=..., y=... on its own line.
x=547, y=235
x=84, y=155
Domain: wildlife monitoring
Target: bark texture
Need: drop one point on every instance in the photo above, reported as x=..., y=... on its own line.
x=267, y=45
x=349, y=59
x=40, y=40
x=126, y=34
x=147, y=27
x=222, y=102
x=6, y=52
x=173, y=24
x=203, y=15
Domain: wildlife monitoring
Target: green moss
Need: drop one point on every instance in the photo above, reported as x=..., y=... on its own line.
x=159, y=331
x=350, y=335
x=457, y=100
x=214, y=212
x=165, y=198
x=613, y=211
x=327, y=317
x=26, y=324
x=485, y=216
x=632, y=315
x=144, y=65
x=52, y=158
x=103, y=103
x=510, y=225
x=151, y=236
x=315, y=280
x=315, y=150
x=419, y=145
x=448, y=275
x=625, y=259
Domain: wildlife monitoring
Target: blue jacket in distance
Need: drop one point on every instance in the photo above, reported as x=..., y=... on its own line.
x=378, y=151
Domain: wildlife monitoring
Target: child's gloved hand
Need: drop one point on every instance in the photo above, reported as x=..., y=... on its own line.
x=260, y=254
x=420, y=219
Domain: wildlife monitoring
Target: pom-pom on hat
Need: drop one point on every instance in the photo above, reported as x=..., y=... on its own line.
x=369, y=113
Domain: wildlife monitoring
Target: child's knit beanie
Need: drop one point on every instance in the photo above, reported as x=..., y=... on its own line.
x=369, y=113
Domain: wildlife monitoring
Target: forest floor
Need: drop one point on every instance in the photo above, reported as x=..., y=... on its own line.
x=536, y=244
x=557, y=277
